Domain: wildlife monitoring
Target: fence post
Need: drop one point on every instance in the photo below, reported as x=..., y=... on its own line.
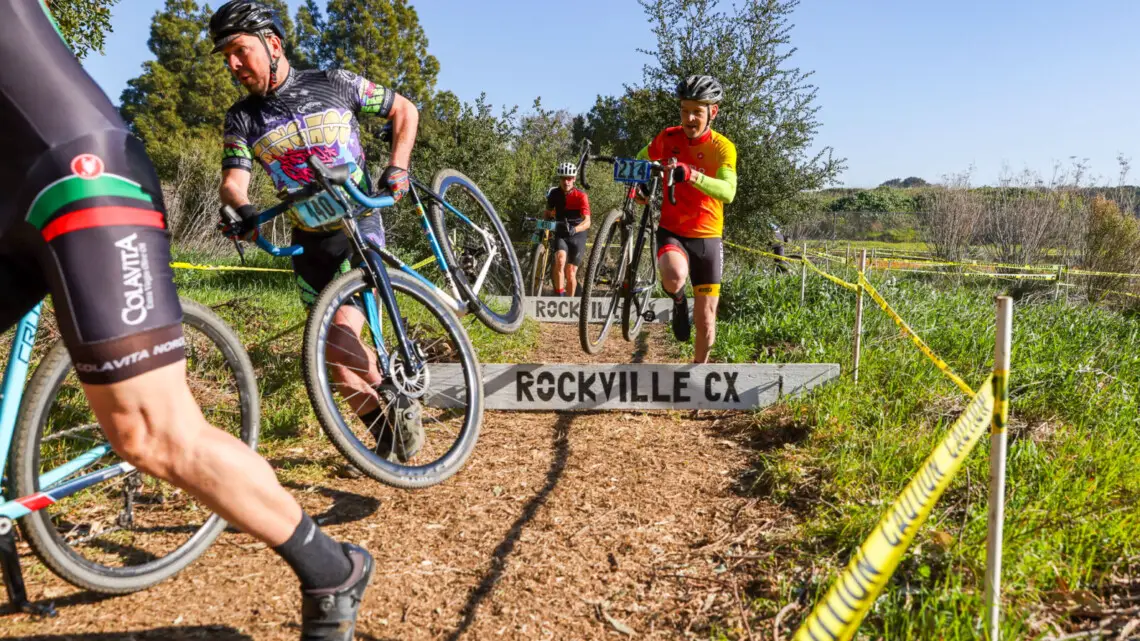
x=1002, y=341
x=803, y=275
x=871, y=265
x=1057, y=283
x=859, y=315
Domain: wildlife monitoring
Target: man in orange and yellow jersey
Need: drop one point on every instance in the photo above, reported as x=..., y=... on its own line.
x=703, y=163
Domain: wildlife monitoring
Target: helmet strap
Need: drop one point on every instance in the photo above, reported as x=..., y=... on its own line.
x=272, y=62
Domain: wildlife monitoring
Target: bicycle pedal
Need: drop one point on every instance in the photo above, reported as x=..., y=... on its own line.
x=649, y=316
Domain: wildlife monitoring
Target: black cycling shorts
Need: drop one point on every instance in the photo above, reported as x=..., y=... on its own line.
x=574, y=246
x=81, y=211
x=329, y=254
x=704, y=255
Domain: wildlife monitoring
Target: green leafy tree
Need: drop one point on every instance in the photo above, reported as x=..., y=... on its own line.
x=769, y=110
x=83, y=23
x=182, y=94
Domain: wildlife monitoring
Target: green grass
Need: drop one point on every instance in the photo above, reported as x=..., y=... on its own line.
x=1072, y=479
x=841, y=245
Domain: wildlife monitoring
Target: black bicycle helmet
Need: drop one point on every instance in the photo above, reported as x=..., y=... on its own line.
x=704, y=89
x=238, y=17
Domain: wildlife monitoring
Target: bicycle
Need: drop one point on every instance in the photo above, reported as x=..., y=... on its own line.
x=538, y=264
x=616, y=272
x=65, y=508
x=422, y=330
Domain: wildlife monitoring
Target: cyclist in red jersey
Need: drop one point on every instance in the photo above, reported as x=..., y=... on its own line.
x=571, y=208
x=689, y=244
x=83, y=218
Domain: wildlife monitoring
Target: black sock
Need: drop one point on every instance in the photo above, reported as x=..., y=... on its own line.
x=679, y=296
x=318, y=561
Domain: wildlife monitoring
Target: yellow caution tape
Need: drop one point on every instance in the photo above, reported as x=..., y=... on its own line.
x=837, y=281
x=762, y=253
x=1001, y=399
x=423, y=263
x=838, y=615
x=982, y=274
x=1082, y=272
x=938, y=362
x=227, y=268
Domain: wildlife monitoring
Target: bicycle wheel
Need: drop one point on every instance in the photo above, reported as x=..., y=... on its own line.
x=642, y=284
x=601, y=293
x=478, y=250
x=537, y=270
x=449, y=391
x=133, y=531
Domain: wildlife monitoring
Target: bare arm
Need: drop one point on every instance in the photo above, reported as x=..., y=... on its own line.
x=405, y=123
x=235, y=187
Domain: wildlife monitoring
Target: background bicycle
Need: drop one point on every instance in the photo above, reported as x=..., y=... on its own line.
x=620, y=273
x=413, y=354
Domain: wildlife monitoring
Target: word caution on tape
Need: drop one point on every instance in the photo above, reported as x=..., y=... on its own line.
x=838, y=615
x=569, y=387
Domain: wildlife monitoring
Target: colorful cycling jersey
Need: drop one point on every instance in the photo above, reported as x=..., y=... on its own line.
x=313, y=112
x=569, y=206
x=697, y=214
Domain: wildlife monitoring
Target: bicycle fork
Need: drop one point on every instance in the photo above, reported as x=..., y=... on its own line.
x=377, y=277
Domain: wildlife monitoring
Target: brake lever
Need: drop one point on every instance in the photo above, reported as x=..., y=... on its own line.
x=229, y=216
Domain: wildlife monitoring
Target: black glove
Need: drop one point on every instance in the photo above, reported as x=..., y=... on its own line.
x=569, y=227
x=245, y=228
x=396, y=180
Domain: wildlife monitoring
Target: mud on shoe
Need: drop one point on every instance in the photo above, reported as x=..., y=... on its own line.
x=330, y=614
x=400, y=432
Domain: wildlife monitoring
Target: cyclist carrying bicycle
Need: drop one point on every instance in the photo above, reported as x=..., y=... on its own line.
x=288, y=116
x=689, y=244
x=569, y=206
x=83, y=219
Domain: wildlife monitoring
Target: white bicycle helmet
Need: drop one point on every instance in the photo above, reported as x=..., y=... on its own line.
x=567, y=170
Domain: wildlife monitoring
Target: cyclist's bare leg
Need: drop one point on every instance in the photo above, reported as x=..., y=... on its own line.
x=673, y=268
x=559, y=270
x=571, y=279
x=165, y=435
x=354, y=368
x=704, y=317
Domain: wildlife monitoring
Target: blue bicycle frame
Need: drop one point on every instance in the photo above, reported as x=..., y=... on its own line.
x=52, y=487
x=53, y=483
x=454, y=299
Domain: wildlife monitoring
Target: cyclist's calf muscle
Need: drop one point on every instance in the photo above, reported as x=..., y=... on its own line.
x=166, y=436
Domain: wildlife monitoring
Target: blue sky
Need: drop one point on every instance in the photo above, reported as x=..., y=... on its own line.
x=905, y=88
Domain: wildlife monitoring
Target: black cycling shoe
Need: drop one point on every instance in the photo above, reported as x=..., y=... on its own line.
x=399, y=432
x=330, y=615
x=681, y=326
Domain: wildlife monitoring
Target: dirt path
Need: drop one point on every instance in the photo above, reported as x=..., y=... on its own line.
x=562, y=526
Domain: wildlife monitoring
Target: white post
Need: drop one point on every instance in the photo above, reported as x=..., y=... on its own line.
x=859, y=315
x=1003, y=338
x=803, y=275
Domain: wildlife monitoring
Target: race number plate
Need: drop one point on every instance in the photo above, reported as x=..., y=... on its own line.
x=320, y=210
x=627, y=170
